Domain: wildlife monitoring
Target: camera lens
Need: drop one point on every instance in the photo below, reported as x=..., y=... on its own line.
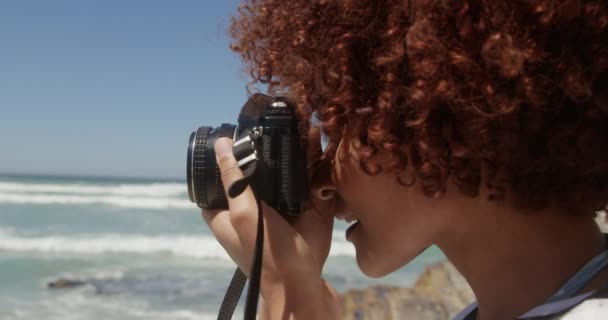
x=203, y=174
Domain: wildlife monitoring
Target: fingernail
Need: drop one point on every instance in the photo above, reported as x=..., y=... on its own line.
x=222, y=147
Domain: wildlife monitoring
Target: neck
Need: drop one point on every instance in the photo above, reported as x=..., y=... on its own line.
x=515, y=260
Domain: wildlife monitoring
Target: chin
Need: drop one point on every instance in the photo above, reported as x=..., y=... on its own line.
x=372, y=267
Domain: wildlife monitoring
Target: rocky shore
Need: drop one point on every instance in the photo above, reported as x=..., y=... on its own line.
x=439, y=293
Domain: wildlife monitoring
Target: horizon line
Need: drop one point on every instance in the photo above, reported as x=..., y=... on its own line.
x=89, y=176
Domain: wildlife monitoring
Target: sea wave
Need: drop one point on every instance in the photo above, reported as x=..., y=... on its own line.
x=189, y=246
x=145, y=196
x=150, y=189
x=115, y=201
x=79, y=305
x=177, y=245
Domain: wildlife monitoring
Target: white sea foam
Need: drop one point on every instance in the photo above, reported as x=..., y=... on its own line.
x=172, y=315
x=78, y=305
x=199, y=247
x=177, y=245
x=145, y=196
x=110, y=200
x=150, y=189
x=97, y=274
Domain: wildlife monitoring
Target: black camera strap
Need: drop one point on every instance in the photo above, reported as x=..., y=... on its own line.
x=233, y=294
x=235, y=289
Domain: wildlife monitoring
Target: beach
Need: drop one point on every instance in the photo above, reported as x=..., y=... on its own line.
x=138, y=246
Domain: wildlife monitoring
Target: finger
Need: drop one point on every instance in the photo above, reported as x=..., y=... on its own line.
x=309, y=235
x=219, y=223
x=231, y=173
x=243, y=208
x=213, y=217
x=318, y=218
x=280, y=235
x=274, y=222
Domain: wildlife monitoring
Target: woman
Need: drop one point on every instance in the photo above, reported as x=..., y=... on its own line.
x=477, y=126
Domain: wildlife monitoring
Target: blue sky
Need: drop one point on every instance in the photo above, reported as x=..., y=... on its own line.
x=112, y=87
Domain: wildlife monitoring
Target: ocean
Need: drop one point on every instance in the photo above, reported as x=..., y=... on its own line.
x=138, y=245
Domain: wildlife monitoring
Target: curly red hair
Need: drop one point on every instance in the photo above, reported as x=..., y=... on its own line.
x=511, y=94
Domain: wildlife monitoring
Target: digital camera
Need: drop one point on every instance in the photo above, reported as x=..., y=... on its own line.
x=269, y=150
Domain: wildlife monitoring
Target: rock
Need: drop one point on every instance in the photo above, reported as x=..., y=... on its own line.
x=439, y=293
x=446, y=286
x=65, y=283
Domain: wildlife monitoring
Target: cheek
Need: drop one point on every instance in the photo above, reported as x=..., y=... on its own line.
x=364, y=195
x=357, y=196
x=369, y=197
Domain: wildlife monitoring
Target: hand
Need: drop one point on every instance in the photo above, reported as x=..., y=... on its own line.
x=294, y=254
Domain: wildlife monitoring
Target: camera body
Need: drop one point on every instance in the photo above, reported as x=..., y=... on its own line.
x=268, y=148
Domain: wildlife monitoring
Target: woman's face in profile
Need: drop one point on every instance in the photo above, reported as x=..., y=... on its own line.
x=395, y=223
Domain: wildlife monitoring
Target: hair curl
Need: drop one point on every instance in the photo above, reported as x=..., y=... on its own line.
x=512, y=94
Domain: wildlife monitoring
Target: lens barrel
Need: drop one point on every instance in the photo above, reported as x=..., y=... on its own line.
x=203, y=174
